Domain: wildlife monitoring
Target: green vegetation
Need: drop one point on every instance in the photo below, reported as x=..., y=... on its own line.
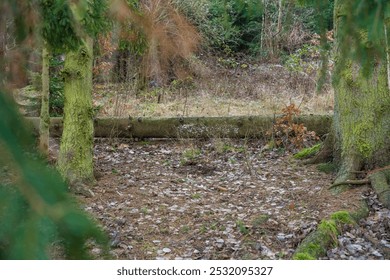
x=196, y=196
x=308, y=152
x=343, y=217
x=241, y=227
x=303, y=256
x=189, y=156
x=317, y=243
x=56, y=100
x=37, y=211
x=185, y=229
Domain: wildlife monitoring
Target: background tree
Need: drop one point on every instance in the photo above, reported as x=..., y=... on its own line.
x=44, y=122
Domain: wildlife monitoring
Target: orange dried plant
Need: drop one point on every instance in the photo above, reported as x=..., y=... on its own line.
x=290, y=135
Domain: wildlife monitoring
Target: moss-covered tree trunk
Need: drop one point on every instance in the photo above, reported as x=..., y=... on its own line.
x=44, y=115
x=75, y=160
x=362, y=109
x=387, y=40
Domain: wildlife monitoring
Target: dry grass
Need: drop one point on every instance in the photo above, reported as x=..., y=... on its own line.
x=219, y=91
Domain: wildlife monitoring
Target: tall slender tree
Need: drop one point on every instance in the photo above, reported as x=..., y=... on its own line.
x=75, y=161
x=44, y=123
x=80, y=22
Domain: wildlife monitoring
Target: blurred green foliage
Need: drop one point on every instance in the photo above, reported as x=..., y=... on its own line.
x=226, y=25
x=36, y=210
x=38, y=216
x=65, y=23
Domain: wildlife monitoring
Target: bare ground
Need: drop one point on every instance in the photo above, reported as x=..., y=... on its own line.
x=211, y=199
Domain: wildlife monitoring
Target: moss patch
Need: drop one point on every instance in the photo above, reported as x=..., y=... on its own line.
x=308, y=152
x=303, y=256
x=318, y=242
x=343, y=217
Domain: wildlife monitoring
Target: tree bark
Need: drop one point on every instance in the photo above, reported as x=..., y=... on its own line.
x=279, y=30
x=362, y=110
x=387, y=40
x=75, y=161
x=44, y=115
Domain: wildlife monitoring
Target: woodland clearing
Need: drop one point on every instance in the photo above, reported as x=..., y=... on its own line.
x=221, y=198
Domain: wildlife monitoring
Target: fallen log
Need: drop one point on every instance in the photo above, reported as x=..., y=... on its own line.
x=190, y=127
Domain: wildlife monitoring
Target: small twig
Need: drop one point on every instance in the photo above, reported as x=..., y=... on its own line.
x=351, y=182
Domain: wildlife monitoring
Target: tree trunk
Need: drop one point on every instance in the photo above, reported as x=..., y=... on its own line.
x=44, y=115
x=75, y=161
x=387, y=40
x=279, y=30
x=362, y=110
x=154, y=64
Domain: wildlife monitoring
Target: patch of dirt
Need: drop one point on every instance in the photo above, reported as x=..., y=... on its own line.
x=211, y=199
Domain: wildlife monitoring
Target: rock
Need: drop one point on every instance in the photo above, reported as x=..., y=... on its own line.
x=377, y=254
x=281, y=237
x=166, y=250
x=353, y=248
x=219, y=243
x=265, y=251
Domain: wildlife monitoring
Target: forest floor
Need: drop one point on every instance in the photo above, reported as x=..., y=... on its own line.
x=210, y=199
x=220, y=198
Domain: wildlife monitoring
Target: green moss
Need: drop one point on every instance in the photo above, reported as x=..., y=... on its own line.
x=241, y=226
x=311, y=250
x=342, y=217
x=328, y=167
x=308, y=152
x=303, y=256
x=328, y=227
x=314, y=249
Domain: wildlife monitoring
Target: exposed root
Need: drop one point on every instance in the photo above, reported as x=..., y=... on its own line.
x=351, y=182
x=326, y=152
x=380, y=183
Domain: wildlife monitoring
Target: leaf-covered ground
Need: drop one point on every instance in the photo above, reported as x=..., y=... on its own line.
x=208, y=199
